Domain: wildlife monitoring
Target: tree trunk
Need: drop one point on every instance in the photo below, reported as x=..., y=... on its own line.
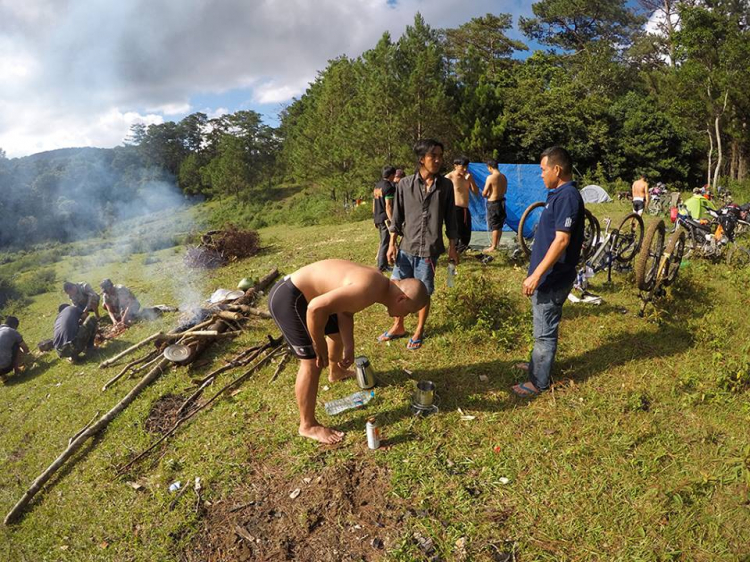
x=734, y=159
x=710, y=155
x=719, y=155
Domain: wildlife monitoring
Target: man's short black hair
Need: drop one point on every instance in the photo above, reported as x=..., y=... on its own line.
x=11, y=322
x=461, y=161
x=68, y=286
x=558, y=156
x=62, y=307
x=425, y=146
x=388, y=171
x=492, y=163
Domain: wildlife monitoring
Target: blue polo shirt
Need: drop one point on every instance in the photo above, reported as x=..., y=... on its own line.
x=563, y=211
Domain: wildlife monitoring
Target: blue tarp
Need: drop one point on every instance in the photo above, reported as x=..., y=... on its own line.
x=525, y=187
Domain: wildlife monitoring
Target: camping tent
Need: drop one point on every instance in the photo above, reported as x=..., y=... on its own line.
x=525, y=187
x=595, y=194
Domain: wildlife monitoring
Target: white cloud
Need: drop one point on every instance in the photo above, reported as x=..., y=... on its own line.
x=74, y=70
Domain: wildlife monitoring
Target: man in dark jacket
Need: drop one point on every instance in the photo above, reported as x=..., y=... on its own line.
x=382, y=211
x=424, y=202
x=74, y=332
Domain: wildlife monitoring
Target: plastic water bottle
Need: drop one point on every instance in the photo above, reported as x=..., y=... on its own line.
x=356, y=400
x=451, y=274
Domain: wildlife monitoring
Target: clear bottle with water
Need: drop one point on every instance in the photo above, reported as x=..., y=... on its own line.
x=451, y=274
x=356, y=400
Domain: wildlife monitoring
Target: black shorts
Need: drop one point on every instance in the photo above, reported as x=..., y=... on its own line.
x=288, y=307
x=638, y=206
x=496, y=214
x=13, y=356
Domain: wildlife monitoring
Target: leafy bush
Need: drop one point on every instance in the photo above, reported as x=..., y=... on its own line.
x=38, y=282
x=480, y=309
x=8, y=290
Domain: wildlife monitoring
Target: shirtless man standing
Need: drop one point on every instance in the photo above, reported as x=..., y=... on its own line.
x=640, y=195
x=314, y=308
x=494, y=190
x=463, y=181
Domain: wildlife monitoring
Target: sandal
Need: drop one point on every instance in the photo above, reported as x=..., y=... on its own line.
x=523, y=391
x=414, y=345
x=385, y=336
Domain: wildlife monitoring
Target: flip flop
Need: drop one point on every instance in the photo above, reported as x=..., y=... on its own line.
x=523, y=366
x=527, y=391
x=414, y=345
x=385, y=336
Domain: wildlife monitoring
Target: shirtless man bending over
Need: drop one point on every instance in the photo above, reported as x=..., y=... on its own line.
x=494, y=190
x=314, y=308
x=463, y=182
x=640, y=194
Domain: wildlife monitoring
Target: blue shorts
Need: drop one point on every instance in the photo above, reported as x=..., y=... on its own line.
x=414, y=267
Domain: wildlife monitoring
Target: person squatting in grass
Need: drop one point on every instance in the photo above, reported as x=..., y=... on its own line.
x=494, y=190
x=74, y=332
x=12, y=348
x=120, y=303
x=463, y=182
x=382, y=210
x=83, y=296
x=552, y=271
x=423, y=203
x=314, y=308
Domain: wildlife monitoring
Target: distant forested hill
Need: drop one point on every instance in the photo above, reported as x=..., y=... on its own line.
x=68, y=193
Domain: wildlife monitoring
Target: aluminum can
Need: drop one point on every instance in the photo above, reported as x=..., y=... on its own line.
x=373, y=433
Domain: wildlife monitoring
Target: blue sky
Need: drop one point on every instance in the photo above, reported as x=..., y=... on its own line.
x=81, y=72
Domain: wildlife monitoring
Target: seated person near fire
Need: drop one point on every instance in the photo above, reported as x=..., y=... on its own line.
x=314, y=307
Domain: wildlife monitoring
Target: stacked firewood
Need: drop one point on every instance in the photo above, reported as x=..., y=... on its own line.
x=225, y=320
x=218, y=247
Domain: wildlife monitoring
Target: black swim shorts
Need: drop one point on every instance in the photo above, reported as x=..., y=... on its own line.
x=288, y=307
x=496, y=214
x=638, y=205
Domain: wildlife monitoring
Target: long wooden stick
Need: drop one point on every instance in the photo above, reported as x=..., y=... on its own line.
x=148, y=357
x=132, y=348
x=81, y=439
x=202, y=407
x=284, y=360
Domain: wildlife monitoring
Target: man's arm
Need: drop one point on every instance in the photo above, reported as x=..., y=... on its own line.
x=348, y=299
x=487, y=191
x=556, y=249
x=388, y=198
x=397, y=222
x=346, y=330
x=473, y=185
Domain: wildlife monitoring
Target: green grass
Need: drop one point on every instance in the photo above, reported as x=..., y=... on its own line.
x=640, y=453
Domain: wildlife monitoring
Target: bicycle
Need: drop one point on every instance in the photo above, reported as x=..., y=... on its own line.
x=591, y=230
x=657, y=265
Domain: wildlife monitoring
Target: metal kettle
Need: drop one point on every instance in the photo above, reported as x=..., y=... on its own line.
x=365, y=372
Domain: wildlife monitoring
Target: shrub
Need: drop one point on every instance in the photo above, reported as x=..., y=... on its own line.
x=38, y=282
x=8, y=290
x=480, y=309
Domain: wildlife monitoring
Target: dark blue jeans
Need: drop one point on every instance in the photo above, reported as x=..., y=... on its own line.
x=546, y=308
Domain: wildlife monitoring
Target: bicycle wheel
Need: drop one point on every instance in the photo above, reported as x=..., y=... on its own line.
x=676, y=249
x=629, y=238
x=591, y=233
x=527, y=226
x=647, y=263
x=653, y=207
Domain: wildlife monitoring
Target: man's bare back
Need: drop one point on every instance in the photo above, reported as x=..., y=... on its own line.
x=325, y=276
x=640, y=189
x=495, y=186
x=463, y=182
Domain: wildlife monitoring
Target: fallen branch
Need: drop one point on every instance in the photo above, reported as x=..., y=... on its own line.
x=284, y=360
x=81, y=439
x=202, y=407
x=129, y=366
x=85, y=427
x=122, y=354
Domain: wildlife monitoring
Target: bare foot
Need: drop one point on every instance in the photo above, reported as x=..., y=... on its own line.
x=321, y=433
x=525, y=390
x=338, y=375
x=524, y=366
x=489, y=250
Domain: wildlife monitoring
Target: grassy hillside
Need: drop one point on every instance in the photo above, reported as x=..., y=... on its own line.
x=640, y=453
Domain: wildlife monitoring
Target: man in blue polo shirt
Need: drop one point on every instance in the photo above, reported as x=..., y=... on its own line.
x=552, y=271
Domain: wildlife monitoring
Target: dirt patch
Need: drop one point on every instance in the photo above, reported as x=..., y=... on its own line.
x=344, y=513
x=163, y=414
